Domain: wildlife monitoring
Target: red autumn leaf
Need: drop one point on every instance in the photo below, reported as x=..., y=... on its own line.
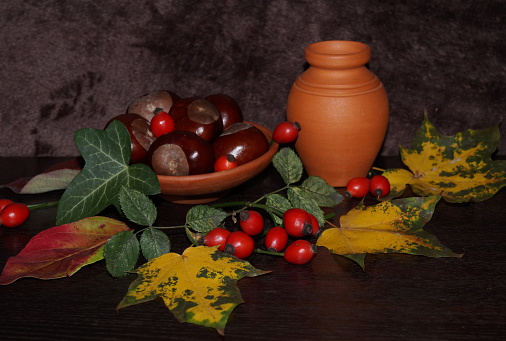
x=62, y=250
x=54, y=178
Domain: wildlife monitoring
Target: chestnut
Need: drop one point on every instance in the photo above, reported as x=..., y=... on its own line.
x=229, y=109
x=198, y=116
x=181, y=153
x=243, y=140
x=147, y=105
x=141, y=136
x=180, y=107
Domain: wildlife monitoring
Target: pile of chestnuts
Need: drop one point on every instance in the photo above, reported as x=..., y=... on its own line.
x=187, y=136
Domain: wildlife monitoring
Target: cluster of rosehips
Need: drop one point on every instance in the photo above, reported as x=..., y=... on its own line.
x=297, y=223
x=359, y=187
x=13, y=214
x=187, y=136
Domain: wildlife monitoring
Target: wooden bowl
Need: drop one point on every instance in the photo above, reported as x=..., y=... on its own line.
x=203, y=188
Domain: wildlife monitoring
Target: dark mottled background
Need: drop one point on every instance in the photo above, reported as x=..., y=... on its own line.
x=72, y=64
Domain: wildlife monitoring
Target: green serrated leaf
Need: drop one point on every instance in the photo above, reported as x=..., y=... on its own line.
x=288, y=164
x=121, y=253
x=107, y=154
x=279, y=203
x=299, y=199
x=320, y=191
x=154, y=243
x=137, y=206
x=203, y=218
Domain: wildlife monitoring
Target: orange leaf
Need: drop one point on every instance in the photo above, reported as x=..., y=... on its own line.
x=62, y=250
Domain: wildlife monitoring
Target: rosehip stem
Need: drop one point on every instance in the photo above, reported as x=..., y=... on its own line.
x=43, y=205
x=169, y=227
x=378, y=169
x=279, y=254
x=247, y=204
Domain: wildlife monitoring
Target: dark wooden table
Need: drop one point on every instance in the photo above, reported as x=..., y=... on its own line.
x=397, y=297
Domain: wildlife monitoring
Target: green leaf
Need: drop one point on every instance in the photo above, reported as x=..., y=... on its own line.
x=121, y=253
x=299, y=199
x=137, y=206
x=106, y=171
x=154, y=243
x=203, y=218
x=320, y=191
x=288, y=164
x=279, y=203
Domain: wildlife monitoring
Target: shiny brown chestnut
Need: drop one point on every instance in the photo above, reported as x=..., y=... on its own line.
x=198, y=116
x=141, y=136
x=229, y=109
x=243, y=140
x=180, y=153
x=147, y=105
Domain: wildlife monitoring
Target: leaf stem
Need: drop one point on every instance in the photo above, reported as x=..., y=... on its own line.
x=272, y=253
x=169, y=227
x=378, y=169
x=42, y=205
x=328, y=222
x=247, y=204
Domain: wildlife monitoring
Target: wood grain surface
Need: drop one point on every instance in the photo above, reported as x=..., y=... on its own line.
x=397, y=297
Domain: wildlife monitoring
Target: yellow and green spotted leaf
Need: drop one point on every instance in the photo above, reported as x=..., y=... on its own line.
x=394, y=226
x=198, y=286
x=457, y=167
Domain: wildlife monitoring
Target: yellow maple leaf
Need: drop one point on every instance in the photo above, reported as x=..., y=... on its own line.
x=457, y=167
x=197, y=286
x=394, y=226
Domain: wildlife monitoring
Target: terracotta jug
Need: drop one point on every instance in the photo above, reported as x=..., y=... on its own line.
x=343, y=111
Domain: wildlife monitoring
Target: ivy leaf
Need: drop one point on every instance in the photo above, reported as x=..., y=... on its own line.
x=202, y=218
x=154, y=243
x=321, y=192
x=106, y=171
x=197, y=287
x=458, y=167
x=121, y=253
x=288, y=164
x=394, y=226
x=62, y=250
x=299, y=199
x=137, y=206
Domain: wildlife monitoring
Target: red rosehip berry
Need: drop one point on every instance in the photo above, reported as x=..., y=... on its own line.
x=161, y=123
x=276, y=239
x=225, y=162
x=251, y=222
x=14, y=214
x=315, y=224
x=300, y=252
x=217, y=236
x=297, y=222
x=4, y=202
x=357, y=187
x=239, y=244
x=379, y=186
x=286, y=132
